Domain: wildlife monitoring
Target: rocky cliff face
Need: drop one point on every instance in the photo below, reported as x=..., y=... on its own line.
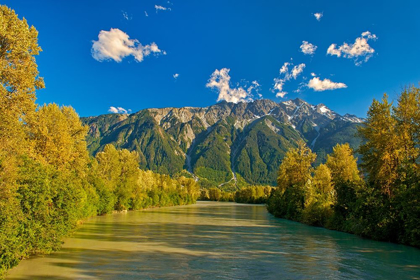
x=227, y=144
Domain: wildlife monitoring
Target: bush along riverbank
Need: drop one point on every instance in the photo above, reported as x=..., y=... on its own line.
x=381, y=200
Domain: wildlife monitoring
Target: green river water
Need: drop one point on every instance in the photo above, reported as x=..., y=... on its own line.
x=212, y=240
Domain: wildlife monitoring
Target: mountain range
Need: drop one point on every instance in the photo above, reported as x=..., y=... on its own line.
x=226, y=145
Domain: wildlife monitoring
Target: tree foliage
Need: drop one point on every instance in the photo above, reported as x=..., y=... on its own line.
x=384, y=203
x=48, y=182
x=295, y=170
x=18, y=81
x=380, y=154
x=342, y=164
x=249, y=194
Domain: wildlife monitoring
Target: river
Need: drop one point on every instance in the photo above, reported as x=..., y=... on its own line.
x=212, y=240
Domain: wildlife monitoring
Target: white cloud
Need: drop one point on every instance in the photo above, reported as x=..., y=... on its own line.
x=220, y=80
x=113, y=110
x=333, y=51
x=278, y=86
x=287, y=75
x=369, y=35
x=318, y=16
x=361, y=51
x=118, y=110
x=297, y=70
x=161, y=8
x=301, y=86
x=115, y=45
x=146, y=14
x=126, y=16
x=320, y=85
x=313, y=74
x=255, y=86
x=308, y=48
x=255, y=83
x=284, y=68
x=176, y=75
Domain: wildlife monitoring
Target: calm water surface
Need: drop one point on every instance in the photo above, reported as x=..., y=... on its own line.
x=213, y=240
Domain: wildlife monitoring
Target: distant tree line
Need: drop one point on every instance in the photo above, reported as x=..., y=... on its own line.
x=381, y=200
x=48, y=181
x=250, y=194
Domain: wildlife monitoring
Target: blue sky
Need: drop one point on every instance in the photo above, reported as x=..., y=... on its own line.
x=209, y=42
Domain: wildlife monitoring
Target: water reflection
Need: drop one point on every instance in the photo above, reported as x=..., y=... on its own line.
x=216, y=240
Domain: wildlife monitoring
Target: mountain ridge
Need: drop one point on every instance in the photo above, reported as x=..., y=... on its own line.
x=225, y=144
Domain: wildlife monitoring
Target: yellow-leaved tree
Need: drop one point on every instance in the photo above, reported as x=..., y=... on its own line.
x=319, y=197
x=18, y=81
x=57, y=137
x=293, y=179
x=381, y=153
x=342, y=164
x=295, y=170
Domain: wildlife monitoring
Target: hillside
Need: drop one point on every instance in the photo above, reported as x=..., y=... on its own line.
x=226, y=145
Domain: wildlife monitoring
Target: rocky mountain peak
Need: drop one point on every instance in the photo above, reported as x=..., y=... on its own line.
x=352, y=118
x=223, y=143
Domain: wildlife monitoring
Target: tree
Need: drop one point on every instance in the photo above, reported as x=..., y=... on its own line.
x=342, y=164
x=204, y=194
x=292, y=183
x=381, y=155
x=119, y=170
x=407, y=116
x=58, y=137
x=322, y=180
x=18, y=82
x=18, y=48
x=392, y=137
x=391, y=160
x=191, y=187
x=319, y=197
x=215, y=194
x=295, y=170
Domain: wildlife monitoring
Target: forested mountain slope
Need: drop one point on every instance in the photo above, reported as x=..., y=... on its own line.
x=227, y=145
